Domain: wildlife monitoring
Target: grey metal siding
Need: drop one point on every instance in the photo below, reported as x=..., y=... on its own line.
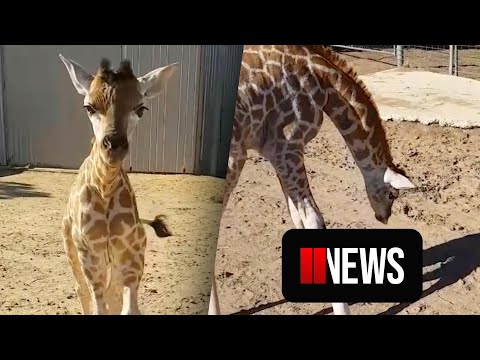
x=221, y=70
x=165, y=138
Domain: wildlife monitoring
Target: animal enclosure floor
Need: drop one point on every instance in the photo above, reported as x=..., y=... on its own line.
x=425, y=97
x=442, y=161
x=34, y=275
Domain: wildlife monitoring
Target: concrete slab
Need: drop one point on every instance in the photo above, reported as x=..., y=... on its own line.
x=426, y=97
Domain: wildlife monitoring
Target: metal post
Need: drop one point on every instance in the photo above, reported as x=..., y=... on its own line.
x=399, y=55
x=3, y=128
x=451, y=59
x=455, y=59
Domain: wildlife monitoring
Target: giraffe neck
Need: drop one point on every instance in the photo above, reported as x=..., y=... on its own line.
x=101, y=175
x=355, y=114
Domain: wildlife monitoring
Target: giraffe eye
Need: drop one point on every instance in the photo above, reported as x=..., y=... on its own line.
x=90, y=109
x=140, y=111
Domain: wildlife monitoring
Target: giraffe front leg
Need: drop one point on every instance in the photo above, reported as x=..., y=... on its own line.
x=81, y=287
x=292, y=175
x=301, y=204
x=94, y=267
x=214, y=306
x=132, y=265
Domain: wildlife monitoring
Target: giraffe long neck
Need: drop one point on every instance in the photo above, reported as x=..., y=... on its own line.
x=353, y=111
x=102, y=176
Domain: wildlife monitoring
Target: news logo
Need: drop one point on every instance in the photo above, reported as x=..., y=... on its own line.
x=352, y=265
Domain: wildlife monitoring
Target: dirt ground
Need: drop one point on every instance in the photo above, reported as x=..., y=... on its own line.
x=34, y=275
x=443, y=162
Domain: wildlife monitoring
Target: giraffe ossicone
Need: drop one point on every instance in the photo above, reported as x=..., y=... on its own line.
x=103, y=234
x=283, y=92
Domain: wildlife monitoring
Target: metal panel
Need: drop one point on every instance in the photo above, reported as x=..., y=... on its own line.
x=165, y=138
x=3, y=145
x=45, y=122
x=220, y=76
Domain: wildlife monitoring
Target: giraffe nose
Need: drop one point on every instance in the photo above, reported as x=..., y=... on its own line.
x=115, y=142
x=382, y=219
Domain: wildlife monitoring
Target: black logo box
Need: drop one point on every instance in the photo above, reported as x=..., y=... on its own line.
x=409, y=240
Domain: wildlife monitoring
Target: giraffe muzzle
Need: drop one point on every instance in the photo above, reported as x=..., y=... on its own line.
x=116, y=147
x=382, y=219
x=114, y=142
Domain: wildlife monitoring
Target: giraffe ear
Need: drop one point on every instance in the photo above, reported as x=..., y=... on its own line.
x=81, y=79
x=397, y=180
x=154, y=83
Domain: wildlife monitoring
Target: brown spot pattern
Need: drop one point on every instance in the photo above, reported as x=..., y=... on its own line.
x=125, y=199
x=117, y=223
x=97, y=230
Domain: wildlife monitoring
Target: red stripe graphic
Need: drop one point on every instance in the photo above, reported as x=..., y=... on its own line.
x=320, y=266
x=306, y=265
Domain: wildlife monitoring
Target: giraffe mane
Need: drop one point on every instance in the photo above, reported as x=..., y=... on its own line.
x=336, y=61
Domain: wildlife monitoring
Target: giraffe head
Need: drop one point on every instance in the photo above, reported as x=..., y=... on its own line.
x=382, y=190
x=114, y=101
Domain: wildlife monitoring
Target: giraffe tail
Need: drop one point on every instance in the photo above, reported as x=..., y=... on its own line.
x=159, y=226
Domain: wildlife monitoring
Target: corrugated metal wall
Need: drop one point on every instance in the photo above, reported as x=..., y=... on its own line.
x=221, y=73
x=165, y=138
x=184, y=132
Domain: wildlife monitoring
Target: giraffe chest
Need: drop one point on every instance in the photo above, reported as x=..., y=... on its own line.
x=101, y=219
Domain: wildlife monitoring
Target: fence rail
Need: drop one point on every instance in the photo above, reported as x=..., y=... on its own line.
x=455, y=60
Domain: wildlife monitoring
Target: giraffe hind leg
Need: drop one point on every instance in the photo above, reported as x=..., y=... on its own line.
x=236, y=162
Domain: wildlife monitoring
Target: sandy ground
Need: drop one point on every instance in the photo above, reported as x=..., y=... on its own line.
x=426, y=97
x=35, y=278
x=444, y=164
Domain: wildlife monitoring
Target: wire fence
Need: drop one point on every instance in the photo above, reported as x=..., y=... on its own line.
x=456, y=60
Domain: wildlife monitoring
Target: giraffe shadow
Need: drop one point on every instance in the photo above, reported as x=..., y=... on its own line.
x=12, y=189
x=458, y=257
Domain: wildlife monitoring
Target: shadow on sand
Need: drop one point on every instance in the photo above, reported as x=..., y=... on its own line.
x=7, y=171
x=458, y=257
x=11, y=189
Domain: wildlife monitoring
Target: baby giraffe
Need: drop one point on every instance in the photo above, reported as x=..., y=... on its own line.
x=103, y=236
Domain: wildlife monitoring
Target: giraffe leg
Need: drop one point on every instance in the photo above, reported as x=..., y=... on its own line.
x=214, y=306
x=94, y=267
x=236, y=162
x=114, y=292
x=292, y=210
x=81, y=287
x=304, y=211
x=132, y=264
